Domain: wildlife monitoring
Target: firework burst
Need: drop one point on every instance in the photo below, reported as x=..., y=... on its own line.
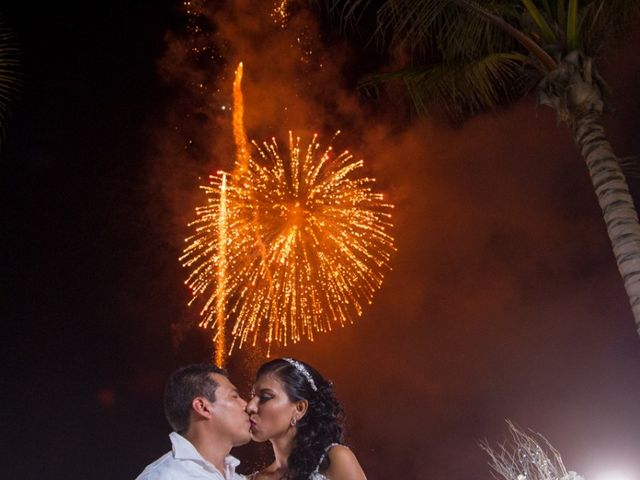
x=304, y=243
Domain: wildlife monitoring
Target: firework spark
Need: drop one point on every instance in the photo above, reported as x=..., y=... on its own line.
x=305, y=245
x=280, y=12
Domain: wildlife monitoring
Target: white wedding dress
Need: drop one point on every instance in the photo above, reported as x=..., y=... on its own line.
x=315, y=475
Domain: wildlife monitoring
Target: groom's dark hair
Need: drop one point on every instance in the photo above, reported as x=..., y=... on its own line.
x=183, y=386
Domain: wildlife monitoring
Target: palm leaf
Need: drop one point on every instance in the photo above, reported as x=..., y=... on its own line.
x=347, y=12
x=9, y=77
x=605, y=23
x=542, y=24
x=432, y=30
x=464, y=88
x=425, y=28
x=572, y=25
x=468, y=35
x=428, y=27
x=346, y=15
x=547, y=8
x=561, y=12
x=462, y=42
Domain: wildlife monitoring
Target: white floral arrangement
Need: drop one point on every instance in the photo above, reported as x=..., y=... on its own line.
x=527, y=457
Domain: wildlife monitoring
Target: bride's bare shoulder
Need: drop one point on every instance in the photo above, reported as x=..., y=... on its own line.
x=343, y=465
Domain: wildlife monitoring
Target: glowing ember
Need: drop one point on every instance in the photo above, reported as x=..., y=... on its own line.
x=280, y=13
x=303, y=246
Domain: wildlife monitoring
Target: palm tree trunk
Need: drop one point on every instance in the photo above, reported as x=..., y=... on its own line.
x=617, y=206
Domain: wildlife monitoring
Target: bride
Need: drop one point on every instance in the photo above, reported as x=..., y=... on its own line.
x=294, y=408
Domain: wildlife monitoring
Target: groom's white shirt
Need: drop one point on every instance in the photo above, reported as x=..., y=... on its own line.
x=184, y=462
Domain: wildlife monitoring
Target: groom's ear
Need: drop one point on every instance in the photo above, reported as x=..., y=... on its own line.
x=201, y=406
x=301, y=408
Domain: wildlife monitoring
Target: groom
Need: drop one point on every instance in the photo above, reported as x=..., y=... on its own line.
x=208, y=418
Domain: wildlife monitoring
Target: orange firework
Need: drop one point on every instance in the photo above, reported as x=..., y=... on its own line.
x=303, y=246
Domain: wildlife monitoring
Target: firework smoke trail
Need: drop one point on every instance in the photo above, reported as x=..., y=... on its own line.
x=239, y=133
x=242, y=162
x=221, y=285
x=242, y=149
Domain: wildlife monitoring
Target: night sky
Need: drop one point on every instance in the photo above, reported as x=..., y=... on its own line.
x=504, y=300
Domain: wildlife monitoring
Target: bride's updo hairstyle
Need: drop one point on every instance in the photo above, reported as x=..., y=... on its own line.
x=322, y=424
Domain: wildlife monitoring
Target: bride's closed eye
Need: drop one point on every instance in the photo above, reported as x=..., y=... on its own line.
x=264, y=396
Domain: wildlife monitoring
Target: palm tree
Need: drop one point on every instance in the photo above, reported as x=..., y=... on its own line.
x=9, y=78
x=468, y=57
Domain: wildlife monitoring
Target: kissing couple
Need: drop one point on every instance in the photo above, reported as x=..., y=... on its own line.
x=291, y=405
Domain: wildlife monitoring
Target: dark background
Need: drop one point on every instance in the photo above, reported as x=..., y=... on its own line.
x=504, y=301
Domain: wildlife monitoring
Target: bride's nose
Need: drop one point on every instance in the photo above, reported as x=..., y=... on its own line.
x=252, y=406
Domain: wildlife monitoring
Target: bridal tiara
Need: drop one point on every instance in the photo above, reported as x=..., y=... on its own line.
x=303, y=370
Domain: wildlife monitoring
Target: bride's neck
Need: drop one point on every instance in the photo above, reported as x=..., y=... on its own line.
x=282, y=448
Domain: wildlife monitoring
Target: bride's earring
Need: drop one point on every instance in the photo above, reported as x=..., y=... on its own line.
x=293, y=421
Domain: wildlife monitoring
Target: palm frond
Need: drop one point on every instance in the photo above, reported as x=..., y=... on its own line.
x=428, y=28
x=572, y=25
x=464, y=88
x=463, y=44
x=606, y=23
x=9, y=77
x=444, y=28
x=561, y=12
x=541, y=22
x=468, y=35
x=346, y=14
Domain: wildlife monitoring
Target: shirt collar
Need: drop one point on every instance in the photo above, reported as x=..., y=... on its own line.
x=231, y=461
x=183, y=449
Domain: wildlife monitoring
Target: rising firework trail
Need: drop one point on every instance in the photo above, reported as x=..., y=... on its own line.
x=221, y=284
x=307, y=241
x=239, y=133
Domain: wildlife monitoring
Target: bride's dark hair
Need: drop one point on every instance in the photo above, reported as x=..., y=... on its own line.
x=322, y=424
